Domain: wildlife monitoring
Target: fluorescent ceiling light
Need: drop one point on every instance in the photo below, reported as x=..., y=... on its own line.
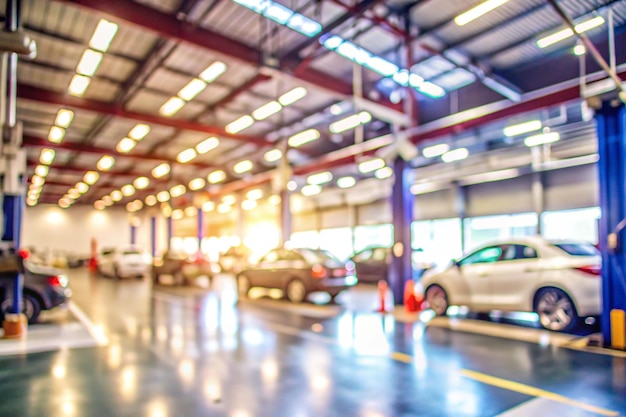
x=78, y=85
x=248, y=204
x=81, y=187
x=274, y=200
x=311, y=189
x=304, y=25
x=340, y=108
x=216, y=176
x=292, y=185
x=107, y=200
x=89, y=62
x=332, y=42
x=402, y=77
x=254, y=194
x=186, y=155
x=320, y=178
x=105, y=163
x=64, y=203
x=492, y=176
x=346, y=182
x=278, y=13
x=522, y=128
x=99, y=205
x=207, y=145
x=166, y=210
x=208, y=206
x=73, y=193
x=478, y=11
x=350, y=122
x=91, y=177
x=191, y=211
x=103, y=35
x=267, y=110
x=568, y=32
x=435, y=150
x=138, y=204
x=432, y=90
x=56, y=134
x=542, y=139
x=292, y=96
x=46, y=156
x=130, y=206
x=273, y=155
x=213, y=71
x=163, y=196
x=415, y=80
x=424, y=188
x=383, y=173
x=178, y=190
x=116, y=195
x=382, y=66
x=125, y=145
x=37, y=181
x=579, y=50
x=192, y=89
x=455, y=155
x=31, y=203
x=229, y=199
x=64, y=118
x=371, y=165
x=197, y=184
x=150, y=200
x=161, y=170
x=301, y=138
x=240, y=124
x=128, y=190
x=141, y=183
x=139, y=131
x=172, y=106
x=223, y=208
x=42, y=170
x=243, y=166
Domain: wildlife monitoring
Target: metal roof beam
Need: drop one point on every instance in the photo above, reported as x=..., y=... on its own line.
x=39, y=94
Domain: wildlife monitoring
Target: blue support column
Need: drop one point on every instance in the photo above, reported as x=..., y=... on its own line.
x=401, y=268
x=611, y=125
x=133, y=234
x=170, y=232
x=12, y=211
x=285, y=216
x=200, y=231
x=153, y=236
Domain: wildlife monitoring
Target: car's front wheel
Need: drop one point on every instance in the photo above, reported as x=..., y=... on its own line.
x=31, y=307
x=555, y=309
x=437, y=299
x=296, y=291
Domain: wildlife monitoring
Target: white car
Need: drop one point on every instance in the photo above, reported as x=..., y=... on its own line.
x=124, y=262
x=559, y=280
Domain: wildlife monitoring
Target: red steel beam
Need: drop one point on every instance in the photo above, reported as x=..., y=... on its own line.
x=33, y=141
x=30, y=92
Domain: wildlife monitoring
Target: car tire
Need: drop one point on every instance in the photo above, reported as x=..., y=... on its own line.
x=32, y=307
x=243, y=286
x=296, y=291
x=437, y=299
x=555, y=309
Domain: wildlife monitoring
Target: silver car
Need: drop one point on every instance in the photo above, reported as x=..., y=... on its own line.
x=558, y=280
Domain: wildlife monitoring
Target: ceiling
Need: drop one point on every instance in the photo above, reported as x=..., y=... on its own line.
x=246, y=60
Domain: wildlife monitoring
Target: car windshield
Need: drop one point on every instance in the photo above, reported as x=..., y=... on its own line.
x=318, y=256
x=578, y=249
x=131, y=252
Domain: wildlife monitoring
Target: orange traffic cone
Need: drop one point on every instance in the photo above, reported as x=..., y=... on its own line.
x=382, y=292
x=410, y=302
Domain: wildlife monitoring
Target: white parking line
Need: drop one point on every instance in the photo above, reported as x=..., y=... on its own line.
x=96, y=331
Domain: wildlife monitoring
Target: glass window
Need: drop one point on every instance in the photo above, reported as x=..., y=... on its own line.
x=436, y=241
x=578, y=249
x=364, y=255
x=309, y=239
x=516, y=252
x=318, y=257
x=374, y=235
x=271, y=256
x=337, y=241
x=486, y=255
x=481, y=230
x=380, y=254
x=290, y=255
x=579, y=224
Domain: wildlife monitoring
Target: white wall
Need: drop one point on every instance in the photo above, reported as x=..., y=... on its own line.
x=48, y=226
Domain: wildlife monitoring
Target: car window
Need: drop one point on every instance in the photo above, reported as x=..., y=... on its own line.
x=516, y=252
x=289, y=255
x=380, y=254
x=578, y=249
x=270, y=256
x=365, y=255
x=131, y=252
x=486, y=255
x=107, y=252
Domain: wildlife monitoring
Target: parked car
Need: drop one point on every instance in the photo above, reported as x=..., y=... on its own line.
x=45, y=288
x=372, y=264
x=124, y=262
x=298, y=272
x=558, y=280
x=234, y=259
x=182, y=268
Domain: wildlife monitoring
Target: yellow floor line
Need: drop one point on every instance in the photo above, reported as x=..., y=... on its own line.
x=534, y=392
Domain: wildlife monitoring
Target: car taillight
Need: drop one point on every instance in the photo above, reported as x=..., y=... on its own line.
x=340, y=272
x=319, y=271
x=24, y=253
x=57, y=281
x=590, y=269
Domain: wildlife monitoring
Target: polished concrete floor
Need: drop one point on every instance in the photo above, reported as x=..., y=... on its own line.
x=179, y=352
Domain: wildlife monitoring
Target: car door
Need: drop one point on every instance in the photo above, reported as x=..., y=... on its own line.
x=475, y=271
x=513, y=278
x=263, y=273
x=363, y=264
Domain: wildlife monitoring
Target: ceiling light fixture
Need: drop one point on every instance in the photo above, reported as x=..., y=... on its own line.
x=207, y=145
x=223, y=208
x=107, y=200
x=78, y=85
x=320, y=178
x=192, y=89
x=178, y=190
x=89, y=62
x=248, y=204
x=141, y=183
x=197, y=184
x=254, y=194
x=150, y=200
x=172, y=106
x=208, y=206
x=520, y=129
x=568, y=32
x=91, y=177
x=579, y=50
x=371, y=165
x=267, y=110
x=125, y=145
x=37, y=181
x=478, y=11
x=103, y=35
x=350, y=122
x=242, y=167
x=64, y=118
x=161, y=170
x=191, y=211
x=81, y=187
x=301, y=138
x=274, y=200
x=240, y=124
x=56, y=134
x=311, y=189
x=139, y=131
x=99, y=205
x=116, y=195
x=273, y=155
x=213, y=71
x=435, y=150
x=292, y=96
x=128, y=190
x=216, y=176
x=229, y=199
x=163, y=197
x=42, y=170
x=105, y=163
x=46, y=156
x=542, y=139
x=455, y=155
x=346, y=182
x=383, y=173
x=186, y=155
